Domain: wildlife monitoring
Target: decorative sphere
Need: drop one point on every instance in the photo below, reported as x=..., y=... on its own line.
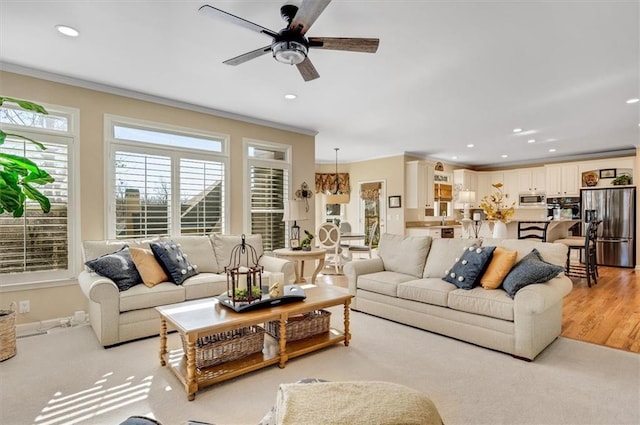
x=183, y=271
x=452, y=274
x=479, y=250
x=464, y=261
x=460, y=278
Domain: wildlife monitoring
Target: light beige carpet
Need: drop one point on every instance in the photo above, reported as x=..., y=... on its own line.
x=65, y=377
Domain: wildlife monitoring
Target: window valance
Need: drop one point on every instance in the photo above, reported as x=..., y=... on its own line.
x=326, y=183
x=370, y=191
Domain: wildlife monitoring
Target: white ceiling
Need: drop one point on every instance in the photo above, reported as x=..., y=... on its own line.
x=447, y=73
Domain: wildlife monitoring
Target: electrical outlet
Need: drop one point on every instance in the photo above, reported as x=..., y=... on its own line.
x=24, y=307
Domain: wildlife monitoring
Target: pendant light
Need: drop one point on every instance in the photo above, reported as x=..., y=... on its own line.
x=337, y=197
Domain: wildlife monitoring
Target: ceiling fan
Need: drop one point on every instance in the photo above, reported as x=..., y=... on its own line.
x=290, y=45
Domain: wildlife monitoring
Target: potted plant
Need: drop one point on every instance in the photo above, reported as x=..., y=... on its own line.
x=18, y=174
x=621, y=180
x=498, y=210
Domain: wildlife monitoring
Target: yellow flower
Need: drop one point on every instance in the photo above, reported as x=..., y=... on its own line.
x=496, y=207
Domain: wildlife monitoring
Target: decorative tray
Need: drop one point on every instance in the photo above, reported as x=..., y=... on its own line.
x=292, y=293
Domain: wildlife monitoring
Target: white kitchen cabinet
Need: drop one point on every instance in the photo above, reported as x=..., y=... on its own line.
x=466, y=180
x=510, y=185
x=418, y=185
x=562, y=180
x=484, y=186
x=532, y=180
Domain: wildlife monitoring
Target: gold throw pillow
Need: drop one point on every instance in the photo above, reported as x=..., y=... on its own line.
x=500, y=265
x=150, y=270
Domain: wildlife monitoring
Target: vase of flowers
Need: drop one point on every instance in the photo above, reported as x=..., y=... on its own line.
x=498, y=210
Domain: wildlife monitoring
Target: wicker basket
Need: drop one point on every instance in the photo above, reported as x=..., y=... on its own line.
x=227, y=346
x=8, y=333
x=303, y=326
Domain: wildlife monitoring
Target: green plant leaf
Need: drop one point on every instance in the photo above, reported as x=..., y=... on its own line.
x=38, y=177
x=35, y=142
x=36, y=195
x=3, y=136
x=24, y=104
x=20, y=161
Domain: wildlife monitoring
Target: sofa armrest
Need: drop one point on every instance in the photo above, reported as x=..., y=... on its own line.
x=536, y=298
x=277, y=265
x=353, y=269
x=98, y=288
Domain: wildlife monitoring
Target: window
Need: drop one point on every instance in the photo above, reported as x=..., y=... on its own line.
x=39, y=247
x=268, y=180
x=165, y=181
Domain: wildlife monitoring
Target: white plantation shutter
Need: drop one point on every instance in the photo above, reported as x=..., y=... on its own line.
x=166, y=181
x=268, y=192
x=143, y=194
x=38, y=241
x=201, y=196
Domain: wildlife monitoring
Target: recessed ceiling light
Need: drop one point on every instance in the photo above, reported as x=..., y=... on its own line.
x=504, y=156
x=454, y=157
x=634, y=100
x=68, y=31
x=531, y=141
x=470, y=145
x=517, y=130
x=290, y=96
x=552, y=150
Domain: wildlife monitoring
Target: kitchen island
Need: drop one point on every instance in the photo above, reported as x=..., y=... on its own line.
x=558, y=229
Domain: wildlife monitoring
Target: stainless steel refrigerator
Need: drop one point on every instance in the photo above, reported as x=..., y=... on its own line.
x=616, y=236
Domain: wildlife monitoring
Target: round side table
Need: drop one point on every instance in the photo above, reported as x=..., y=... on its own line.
x=299, y=257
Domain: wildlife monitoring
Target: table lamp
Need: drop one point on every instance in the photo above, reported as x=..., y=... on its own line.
x=294, y=210
x=466, y=197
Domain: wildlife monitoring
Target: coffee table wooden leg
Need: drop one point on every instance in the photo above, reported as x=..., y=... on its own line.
x=347, y=334
x=283, y=341
x=191, y=385
x=317, y=270
x=163, y=341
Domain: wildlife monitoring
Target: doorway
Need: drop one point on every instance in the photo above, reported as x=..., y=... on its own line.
x=372, y=208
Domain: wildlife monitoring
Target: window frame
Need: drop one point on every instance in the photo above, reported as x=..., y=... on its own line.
x=248, y=162
x=112, y=144
x=71, y=137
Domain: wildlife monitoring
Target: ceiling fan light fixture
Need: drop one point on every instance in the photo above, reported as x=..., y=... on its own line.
x=289, y=52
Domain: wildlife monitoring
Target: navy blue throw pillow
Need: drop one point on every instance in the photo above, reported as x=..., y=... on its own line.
x=173, y=261
x=531, y=269
x=117, y=266
x=468, y=269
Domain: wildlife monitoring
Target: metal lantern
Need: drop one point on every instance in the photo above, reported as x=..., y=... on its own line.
x=244, y=275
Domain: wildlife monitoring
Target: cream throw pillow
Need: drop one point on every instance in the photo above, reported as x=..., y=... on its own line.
x=500, y=265
x=150, y=270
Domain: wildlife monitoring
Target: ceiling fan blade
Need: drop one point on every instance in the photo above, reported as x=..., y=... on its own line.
x=307, y=14
x=248, y=56
x=307, y=70
x=217, y=13
x=366, y=45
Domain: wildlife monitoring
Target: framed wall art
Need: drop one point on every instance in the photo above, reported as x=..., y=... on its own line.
x=395, y=201
x=608, y=173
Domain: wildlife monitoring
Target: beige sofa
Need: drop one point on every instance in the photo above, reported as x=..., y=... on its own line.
x=118, y=317
x=405, y=285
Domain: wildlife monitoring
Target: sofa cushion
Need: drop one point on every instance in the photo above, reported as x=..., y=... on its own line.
x=501, y=263
x=443, y=254
x=150, y=270
x=496, y=303
x=204, y=285
x=554, y=253
x=466, y=272
x=173, y=261
x=199, y=251
x=224, y=244
x=430, y=290
x=531, y=269
x=117, y=266
x=385, y=282
x=94, y=249
x=141, y=296
x=404, y=254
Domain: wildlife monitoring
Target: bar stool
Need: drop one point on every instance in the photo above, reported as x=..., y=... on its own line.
x=586, y=247
x=533, y=230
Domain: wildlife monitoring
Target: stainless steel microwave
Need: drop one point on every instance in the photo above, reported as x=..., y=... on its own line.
x=532, y=199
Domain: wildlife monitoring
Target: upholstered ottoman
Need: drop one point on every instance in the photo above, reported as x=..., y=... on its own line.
x=354, y=403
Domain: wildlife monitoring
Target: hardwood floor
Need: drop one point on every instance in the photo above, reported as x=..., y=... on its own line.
x=606, y=314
